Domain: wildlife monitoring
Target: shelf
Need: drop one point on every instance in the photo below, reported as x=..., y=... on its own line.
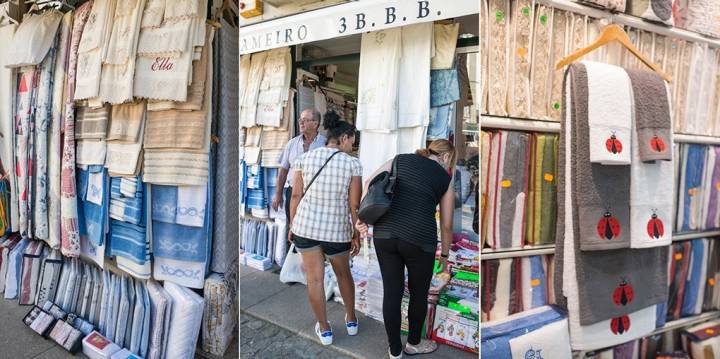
x=699, y=139
x=632, y=21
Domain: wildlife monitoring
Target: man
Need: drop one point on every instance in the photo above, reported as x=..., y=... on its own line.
x=309, y=139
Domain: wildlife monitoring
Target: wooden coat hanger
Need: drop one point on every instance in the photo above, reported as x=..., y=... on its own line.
x=612, y=32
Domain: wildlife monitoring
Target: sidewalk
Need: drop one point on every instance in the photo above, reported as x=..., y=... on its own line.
x=264, y=297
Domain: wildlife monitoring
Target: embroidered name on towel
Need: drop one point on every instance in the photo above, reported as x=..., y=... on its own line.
x=162, y=64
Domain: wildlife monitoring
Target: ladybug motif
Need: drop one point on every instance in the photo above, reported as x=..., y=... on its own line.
x=608, y=227
x=613, y=145
x=620, y=325
x=655, y=228
x=623, y=294
x=657, y=144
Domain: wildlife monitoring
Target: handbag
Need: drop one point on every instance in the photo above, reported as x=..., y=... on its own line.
x=292, y=270
x=379, y=196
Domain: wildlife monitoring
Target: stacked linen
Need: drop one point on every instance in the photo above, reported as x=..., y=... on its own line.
x=125, y=139
x=540, y=332
x=221, y=311
x=510, y=286
x=129, y=238
x=690, y=190
x=181, y=233
x=6, y=247
x=542, y=190
x=611, y=295
x=507, y=189
x=652, y=10
x=32, y=259
x=702, y=340
x=93, y=48
x=185, y=321
x=273, y=93
x=90, y=133
x=93, y=208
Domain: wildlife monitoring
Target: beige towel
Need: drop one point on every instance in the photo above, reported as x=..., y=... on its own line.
x=183, y=9
x=162, y=78
x=175, y=129
x=173, y=36
x=153, y=13
x=274, y=140
x=253, y=136
x=126, y=122
x=445, y=42
x=90, y=152
x=124, y=158
x=91, y=123
x=176, y=167
x=92, y=49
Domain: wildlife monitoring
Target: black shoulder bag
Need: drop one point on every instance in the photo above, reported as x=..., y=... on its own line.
x=379, y=196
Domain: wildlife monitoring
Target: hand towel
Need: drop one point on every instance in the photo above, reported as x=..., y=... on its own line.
x=691, y=191
x=652, y=10
x=609, y=108
x=378, y=87
x=162, y=78
x=32, y=258
x=95, y=215
x=570, y=279
x=444, y=87
x=13, y=272
x=125, y=158
x=126, y=209
x=172, y=36
x=274, y=87
x=49, y=277
x=126, y=121
x=185, y=321
x=652, y=116
x=161, y=309
x=694, y=286
x=68, y=202
x=549, y=341
x=221, y=311
x=440, y=119
x=251, y=73
x=495, y=336
x=175, y=129
x=93, y=48
x=195, y=91
x=534, y=290
x=129, y=187
x=91, y=123
x=153, y=13
x=164, y=203
x=191, y=204
x=32, y=39
x=512, y=185
x=128, y=241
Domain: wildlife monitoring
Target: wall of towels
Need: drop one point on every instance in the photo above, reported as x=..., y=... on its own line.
x=524, y=41
x=119, y=132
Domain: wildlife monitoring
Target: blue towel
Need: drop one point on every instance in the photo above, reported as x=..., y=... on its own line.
x=179, y=242
x=164, y=203
x=444, y=87
x=128, y=241
x=695, y=279
x=137, y=319
x=257, y=199
x=145, y=333
x=495, y=338
x=93, y=218
x=537, y=275
x=692, y=190
x=440, y=119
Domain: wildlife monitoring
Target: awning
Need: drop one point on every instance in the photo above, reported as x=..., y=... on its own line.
x=347, y=19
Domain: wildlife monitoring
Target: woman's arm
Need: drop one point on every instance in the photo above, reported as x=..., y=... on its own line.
x=387, y=166
x=354, y=204
x=447, y=207
x=297, y=193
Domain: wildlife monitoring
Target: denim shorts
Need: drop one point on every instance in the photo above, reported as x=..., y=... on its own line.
x=330, y=249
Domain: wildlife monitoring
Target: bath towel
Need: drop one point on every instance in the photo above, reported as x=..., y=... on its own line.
x=126, y=122
x=511, y=189
x=414, y=72
x=185, y=321
x=573, y=268
x=91, y=123
x=652, y=116
x=496, y=336
x=32, y=39
x=175, y=129
x=695, y=284
x=378, y=87
x=161, y=309
x=652, y=10
x=691, y=190
x=609, y=108
x=191, y=204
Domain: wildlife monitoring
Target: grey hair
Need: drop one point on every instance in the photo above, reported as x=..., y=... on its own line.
x=316, y=116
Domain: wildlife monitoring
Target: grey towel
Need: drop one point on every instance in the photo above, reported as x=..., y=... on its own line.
x=652, y=116
x=604, y=277
x=652, y=10
x=226, y=168
x=513, y=186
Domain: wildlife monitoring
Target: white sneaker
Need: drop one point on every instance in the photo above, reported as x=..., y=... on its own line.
x=394, y=357
x=425, y=346
x=326, y=338
x=352, y=327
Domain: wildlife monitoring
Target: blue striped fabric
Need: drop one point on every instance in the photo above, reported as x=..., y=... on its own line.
x=128, y=241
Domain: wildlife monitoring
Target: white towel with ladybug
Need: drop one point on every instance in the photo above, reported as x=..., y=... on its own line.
x=651, y=183
x=609, y=114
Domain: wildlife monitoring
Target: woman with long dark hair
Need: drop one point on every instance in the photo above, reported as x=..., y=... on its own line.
x=327, y=186
x=406, y=237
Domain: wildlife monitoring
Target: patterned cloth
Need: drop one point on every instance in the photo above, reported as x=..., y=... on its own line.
x=323, y=214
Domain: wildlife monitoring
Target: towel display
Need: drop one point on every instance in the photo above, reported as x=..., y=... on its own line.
x=185, y=321
x=512, y=286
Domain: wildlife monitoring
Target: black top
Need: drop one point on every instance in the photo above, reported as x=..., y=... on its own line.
x=421, y=183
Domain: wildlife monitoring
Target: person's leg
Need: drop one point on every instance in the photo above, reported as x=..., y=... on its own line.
x=392, y=270
x=286, y=204
x=420, y=270
x=341, y=267
x=314, y=265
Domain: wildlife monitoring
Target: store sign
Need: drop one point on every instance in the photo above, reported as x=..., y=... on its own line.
x=347, y=19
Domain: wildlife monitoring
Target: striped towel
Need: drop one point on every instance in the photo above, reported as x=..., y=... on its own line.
x=129, y=241
x=91, y=123
x=126, y=122
x=176, y=167
x=129, y=187
x=175, y=129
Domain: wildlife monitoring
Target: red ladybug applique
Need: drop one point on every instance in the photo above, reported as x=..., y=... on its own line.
x=657, y=144
x=655, y=228
x=620, y=325
x=608, y=227
x=623, y=294
x=613, y=145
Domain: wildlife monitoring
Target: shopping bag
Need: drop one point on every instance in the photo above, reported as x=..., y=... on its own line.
x=292, y=269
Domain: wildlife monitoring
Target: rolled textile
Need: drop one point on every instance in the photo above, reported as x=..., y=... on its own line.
x=652, y=10
x=690, y=187
x=49, y=277
x=185, y=321
x=32, y=39
x=378, y=87
x=221, y=311
x=27, y=85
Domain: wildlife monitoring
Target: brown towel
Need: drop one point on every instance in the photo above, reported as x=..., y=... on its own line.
x=126, y=121
x=175, y=129
x=91, y=123
x=652, y=116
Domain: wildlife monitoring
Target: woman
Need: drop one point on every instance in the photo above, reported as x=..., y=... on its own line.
x=406, y=237
x=322, y=212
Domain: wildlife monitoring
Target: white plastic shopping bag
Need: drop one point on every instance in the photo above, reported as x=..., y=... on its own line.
x=292, y=270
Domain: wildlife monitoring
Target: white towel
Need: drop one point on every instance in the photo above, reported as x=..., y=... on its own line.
x=550, y=341
x=380, y=54
x=128, y=186
x=402, y=140
x=651, y=205
x=191, y=203
x=598, y=335
x=32, y=39
x=185, y=321
x=95, y=188
x=91, y=152
x=414, y=75
x=609, y=113
x=92, y=49
x=7, y=100
x=252, y=69
x=125, y=158
x=163, y=78
x=185, y=273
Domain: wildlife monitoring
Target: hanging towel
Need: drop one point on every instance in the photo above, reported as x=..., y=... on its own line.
x=444, y=87
x=128, y=241
x=91, y=123
x=125, y=158
x=691, y=190
x=129, y=187
x=191, y=204
x=694, y=286
x=496, y=336
x=652, y=116
x=185, y=322
x=160, y=312
x=153, y=13
x=378, y=87
x=164, y=203
x=126, y=122
x=251, y=73
x=274, y=87
x=414, y=73
x=652, y=10
x=444, y=43
x=440, y=119
x=32, y=39
x=609, y=113
x=175, y=129
x=93, y=47
x=162, y=78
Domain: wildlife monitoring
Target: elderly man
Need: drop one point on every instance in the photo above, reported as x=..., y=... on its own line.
x=309, y=139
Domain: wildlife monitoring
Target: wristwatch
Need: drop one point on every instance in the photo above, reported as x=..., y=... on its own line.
x=444, y=255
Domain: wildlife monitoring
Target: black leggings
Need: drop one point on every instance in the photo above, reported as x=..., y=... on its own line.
x=394, y=255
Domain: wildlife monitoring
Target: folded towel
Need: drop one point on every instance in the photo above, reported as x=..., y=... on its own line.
x=534, y=282
x=175, y=129
x=95, y=216
x=191, y=204
x=126, y=122
x=91, y=123
x=496, y=336
x=185, y=321
x=695, y=283
x=679, y=268
x=125, y=158
x=609, y=113
x=652, y=116
x=176, y=167
x=652, y=10
x=161, y=309
x=549, y=341
x=164, y=203
x=691, y=190
x=501, y=306
x=129, y=241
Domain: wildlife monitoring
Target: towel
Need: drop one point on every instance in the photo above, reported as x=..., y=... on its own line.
x=127, y=209
x=185, y=321
x=49, y=277
x=160, y=312
x=496, y=336
x=549, y=341
x=414, y=71
x=710, y=188
x=191, y=204
x=534, y=283
x=91, y=123
x=125, y=158
x=690, y=187
x=32, y=258
x=96, y=184
x=129, y=187
x=126, y=122
x=162, y=78
x=444, y=87
x=378, y=87
x=221, y=311
x=652, y=10
x=652, y=116
x=711, y=300
x=251, y=73
x=32, y=39
x=93, y=48
x=164, y=203
x=695, y=284
x=274, y=86
x=542, y=192
x=129, y=241
x=175, y=129
x=444, y=42
x=650, y=205
x=512, y=185
x=609, y=113
x=591, y=328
